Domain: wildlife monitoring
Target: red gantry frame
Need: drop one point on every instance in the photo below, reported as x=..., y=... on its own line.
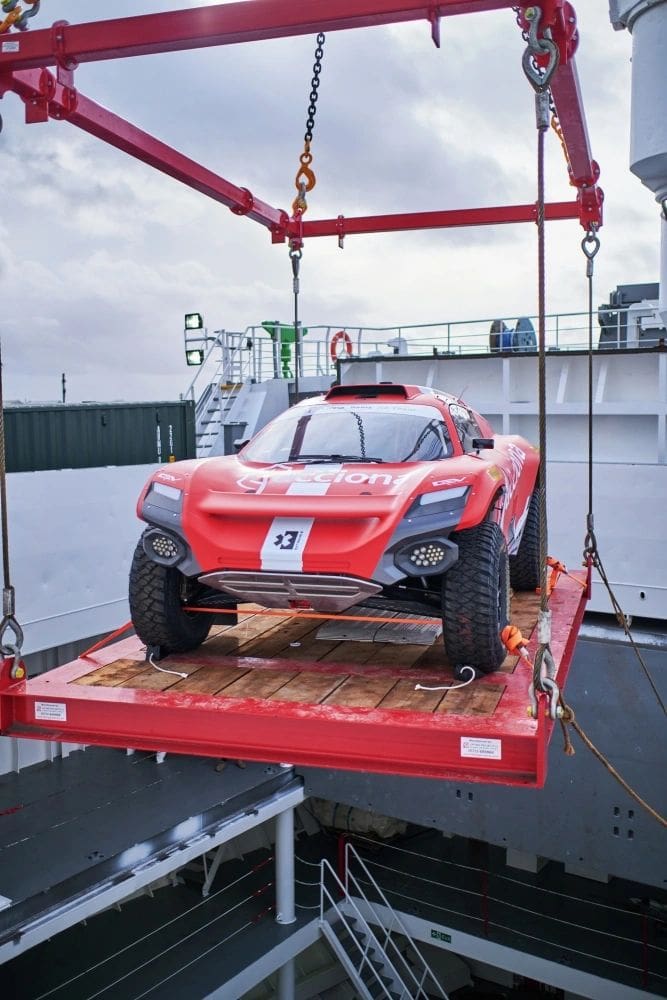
x=27, y=59
x=505, y=746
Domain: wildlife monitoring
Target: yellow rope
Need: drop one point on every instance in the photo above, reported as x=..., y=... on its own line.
x=569, y=719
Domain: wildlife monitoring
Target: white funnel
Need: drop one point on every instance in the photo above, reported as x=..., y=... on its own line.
x=647, y=21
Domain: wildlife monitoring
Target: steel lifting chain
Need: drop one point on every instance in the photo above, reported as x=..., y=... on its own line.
x=538, y=48
x=304, y=182
x=16, y=17
x=305, y=176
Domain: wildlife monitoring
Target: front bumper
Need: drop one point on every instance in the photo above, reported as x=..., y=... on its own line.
x=324, y=592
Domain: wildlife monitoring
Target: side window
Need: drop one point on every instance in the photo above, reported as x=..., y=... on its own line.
x=467, y=427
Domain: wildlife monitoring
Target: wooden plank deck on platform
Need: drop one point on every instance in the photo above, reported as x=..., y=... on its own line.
x=268, y=657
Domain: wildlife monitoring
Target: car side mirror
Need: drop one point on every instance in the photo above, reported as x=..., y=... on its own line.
x=240, y=443
x=480, y=444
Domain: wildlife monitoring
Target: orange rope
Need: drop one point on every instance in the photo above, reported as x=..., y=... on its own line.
x=512, y=640
x=105, y=640
x=559, y=569
x=276, y=612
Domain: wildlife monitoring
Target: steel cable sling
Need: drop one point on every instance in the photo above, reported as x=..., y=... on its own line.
x=539, y=76
x=590, y=246
x=538, y=48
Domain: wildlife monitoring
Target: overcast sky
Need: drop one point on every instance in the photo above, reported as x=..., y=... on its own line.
x=100, y=256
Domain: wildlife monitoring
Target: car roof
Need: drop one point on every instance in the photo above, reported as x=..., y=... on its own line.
x=383, y=392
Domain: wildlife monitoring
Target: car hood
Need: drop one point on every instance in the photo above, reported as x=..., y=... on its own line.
x=340, y=516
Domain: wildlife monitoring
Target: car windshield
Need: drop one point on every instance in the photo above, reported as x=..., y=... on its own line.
x=347, y=433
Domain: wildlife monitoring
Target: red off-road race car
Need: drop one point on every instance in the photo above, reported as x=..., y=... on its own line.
x=392, y=496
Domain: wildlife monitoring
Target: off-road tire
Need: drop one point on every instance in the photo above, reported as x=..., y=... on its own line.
x=525, y=565
x=475, y=599
x=156, y=607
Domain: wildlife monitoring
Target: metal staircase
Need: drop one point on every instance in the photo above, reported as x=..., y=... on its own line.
x=218, y=386
x=213, y=410
x=371, y=955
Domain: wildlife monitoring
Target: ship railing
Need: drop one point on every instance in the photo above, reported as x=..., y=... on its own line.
x=255, y=355
x=260, y=356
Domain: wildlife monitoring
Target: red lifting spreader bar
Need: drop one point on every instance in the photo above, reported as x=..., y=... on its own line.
x=25, y=59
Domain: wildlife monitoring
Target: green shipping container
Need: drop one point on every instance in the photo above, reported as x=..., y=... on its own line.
x=91, y=435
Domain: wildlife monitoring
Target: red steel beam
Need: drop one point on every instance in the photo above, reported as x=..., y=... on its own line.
x=219, y=24
x=584, y=171
x=44, y=97
x=569, y=105
x=103, y=124
x=452, y=218
x=406, y=743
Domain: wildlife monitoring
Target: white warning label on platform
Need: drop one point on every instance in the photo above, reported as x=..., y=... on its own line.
x=10, y=46
x=51, y=711
x=476, y=746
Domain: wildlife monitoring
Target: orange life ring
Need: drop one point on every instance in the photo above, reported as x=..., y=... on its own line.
x=342, y=337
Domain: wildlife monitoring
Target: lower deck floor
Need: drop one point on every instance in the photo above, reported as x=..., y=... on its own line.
x=87, y=820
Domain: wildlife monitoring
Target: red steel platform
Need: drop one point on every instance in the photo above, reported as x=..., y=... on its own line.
x=267, y=689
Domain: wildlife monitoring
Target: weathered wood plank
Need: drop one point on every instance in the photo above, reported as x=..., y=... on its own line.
x=234, y=640
x=476, y=699
x=278, y=641
x=391, y=654
x=349, y=652
x=404, y=696
x=310, y=648
x=210, y=680
x=259, y=683
x=153, y=679
x=361, y=692
x=113, y=674
x=308, y=687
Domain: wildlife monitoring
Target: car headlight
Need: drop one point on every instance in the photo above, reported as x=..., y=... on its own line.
x=169, y=493
x=439, y=502
x=438, y=496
